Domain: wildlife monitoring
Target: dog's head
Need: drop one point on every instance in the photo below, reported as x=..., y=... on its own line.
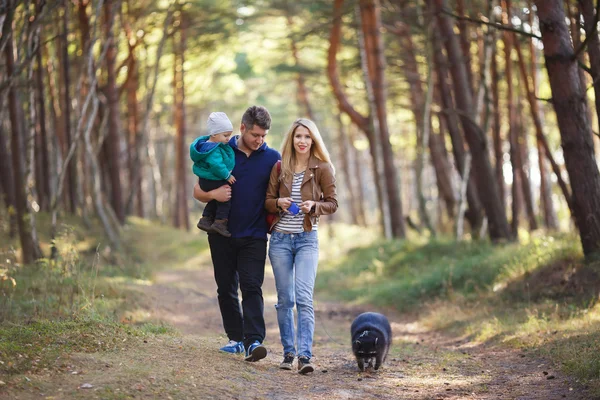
x=365, y=345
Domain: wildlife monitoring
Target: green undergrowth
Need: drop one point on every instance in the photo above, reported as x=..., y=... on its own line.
x=31, y=347
x=538, y=295
x=77, y=301
x=405, y=273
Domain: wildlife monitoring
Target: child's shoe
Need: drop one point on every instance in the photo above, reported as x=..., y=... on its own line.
x=205, y=223
x=220, y=227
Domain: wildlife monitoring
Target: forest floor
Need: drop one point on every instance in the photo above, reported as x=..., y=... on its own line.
x=187, y=364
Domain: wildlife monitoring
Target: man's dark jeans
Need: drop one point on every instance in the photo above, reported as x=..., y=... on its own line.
x=213, y=208
x=240, y=260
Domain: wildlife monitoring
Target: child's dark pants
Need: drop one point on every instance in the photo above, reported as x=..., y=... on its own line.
x=214, y=209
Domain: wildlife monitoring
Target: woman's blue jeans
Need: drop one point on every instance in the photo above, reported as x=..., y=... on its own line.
x=294, y=257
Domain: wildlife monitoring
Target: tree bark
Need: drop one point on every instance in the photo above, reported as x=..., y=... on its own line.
x=349, y=178
x=66, y=66
x=465, y=43
x=523, y=148
x=568, y=94
x=371, y=25
x=547, y=204
x=593, y=47
x=8, y=185
x=134, y=134
x=302, y=91
x=143, y=140
x=30, y=250
x=358, y=168
x=496, y=132
x=537, y=122
x=180, y=215
x=112, y=143
x=475, y=212
x=516, y=202
x=436, y=145
x=363, y=123
x=43, y=161
x=486, y=182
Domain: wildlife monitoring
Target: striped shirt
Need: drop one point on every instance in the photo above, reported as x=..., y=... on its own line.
x=294, y=223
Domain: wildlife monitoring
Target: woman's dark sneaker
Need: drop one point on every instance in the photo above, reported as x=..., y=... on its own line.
x=288, y=359
x=304, y=365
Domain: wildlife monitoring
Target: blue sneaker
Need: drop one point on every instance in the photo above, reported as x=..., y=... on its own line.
x=233, y=347
x=256, y=351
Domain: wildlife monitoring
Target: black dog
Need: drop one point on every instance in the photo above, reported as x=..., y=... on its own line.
x=371, y=339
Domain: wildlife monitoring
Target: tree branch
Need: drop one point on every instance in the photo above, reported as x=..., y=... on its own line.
x=496, y=25
x=588, y=35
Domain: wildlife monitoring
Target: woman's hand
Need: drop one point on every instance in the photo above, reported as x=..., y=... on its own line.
x=306, y=206
x=284, y=202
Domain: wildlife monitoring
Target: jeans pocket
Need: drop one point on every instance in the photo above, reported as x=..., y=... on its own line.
x=276, y=237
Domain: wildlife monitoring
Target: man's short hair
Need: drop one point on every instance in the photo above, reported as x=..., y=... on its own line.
x=257, y=115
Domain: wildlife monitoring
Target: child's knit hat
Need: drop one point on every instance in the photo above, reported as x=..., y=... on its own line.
x=218, y=123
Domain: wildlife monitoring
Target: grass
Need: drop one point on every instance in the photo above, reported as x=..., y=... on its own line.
x=536, y=295
x=76, y=302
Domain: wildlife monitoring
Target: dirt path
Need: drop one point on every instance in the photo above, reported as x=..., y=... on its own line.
x=421, y=365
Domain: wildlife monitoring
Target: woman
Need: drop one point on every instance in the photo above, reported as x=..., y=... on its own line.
x=306, y=179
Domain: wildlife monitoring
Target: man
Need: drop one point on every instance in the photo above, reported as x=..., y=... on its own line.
x=240, y=259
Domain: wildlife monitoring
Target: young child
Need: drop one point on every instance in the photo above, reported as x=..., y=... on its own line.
x=214, y=160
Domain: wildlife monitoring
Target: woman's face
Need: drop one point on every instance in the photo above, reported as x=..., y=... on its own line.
x=302, y=140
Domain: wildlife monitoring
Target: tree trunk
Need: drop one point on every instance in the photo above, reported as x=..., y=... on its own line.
x=535, y=114
x=423, y=139
x=475, y=211
x=547, y=204
x=593, y=47
x=363, y=123
x=486, y=182
x=29, y=247
x=465, y=43
x=349, y=178
x=112, y=148
x=523, y=149
x=67, y=107
x=371, y=26
x=133, y=136
x=496, y=132
x=43, y=161
x=358, y=168
x=568, y=94
x=436, y=145
x=7, y=180
x=302, y=92
x=180, y=214
x=512, y=129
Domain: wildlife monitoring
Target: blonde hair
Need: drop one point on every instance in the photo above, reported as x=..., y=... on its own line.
x=317, y=149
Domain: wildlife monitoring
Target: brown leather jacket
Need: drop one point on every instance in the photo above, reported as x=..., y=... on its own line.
x=318, y=185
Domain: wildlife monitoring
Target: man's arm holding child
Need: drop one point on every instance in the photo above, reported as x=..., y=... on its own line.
x=221, y=194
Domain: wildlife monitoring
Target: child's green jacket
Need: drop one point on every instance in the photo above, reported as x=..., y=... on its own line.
x=212, y=161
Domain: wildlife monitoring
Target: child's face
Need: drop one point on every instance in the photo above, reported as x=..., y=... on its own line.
x=222, y=137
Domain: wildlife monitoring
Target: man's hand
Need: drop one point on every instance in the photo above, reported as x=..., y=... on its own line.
x=221, y=194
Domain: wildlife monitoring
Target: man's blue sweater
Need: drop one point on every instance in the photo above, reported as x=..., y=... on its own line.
x=247, y=215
